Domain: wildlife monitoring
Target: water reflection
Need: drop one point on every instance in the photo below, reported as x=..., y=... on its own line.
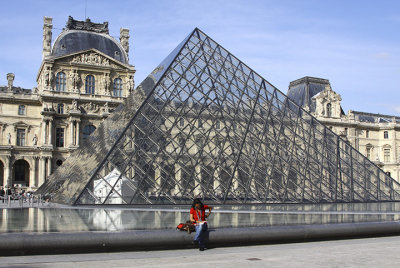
x=106, y=219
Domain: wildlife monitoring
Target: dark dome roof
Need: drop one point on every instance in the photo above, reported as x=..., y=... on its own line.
x=72, y=41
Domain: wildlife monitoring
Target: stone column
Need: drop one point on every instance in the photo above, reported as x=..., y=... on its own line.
x=7, y=172
x=197, y=179
x=236, y=180
x=77, y=132
x=32, y=175
x=50, y=132
x=42, y=170
x=44, y=127
x=216, y=183
x=48, y=167
x=71, y=133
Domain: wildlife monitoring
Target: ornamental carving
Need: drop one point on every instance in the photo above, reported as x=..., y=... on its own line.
x=75, y=80
x=47, y=78
x=106, y=81
x=90, y=107
x=86, y=25
x=91, y=58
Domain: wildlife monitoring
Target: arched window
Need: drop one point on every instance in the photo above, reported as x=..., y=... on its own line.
x=60, y=81
x=117, y=89
x=89, y=84
x=329, y=110
x=87, y=130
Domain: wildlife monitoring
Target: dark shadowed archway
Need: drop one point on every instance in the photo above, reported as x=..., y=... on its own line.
x=21, y=173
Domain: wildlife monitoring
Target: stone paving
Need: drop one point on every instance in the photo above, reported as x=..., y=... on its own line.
x=369, y=252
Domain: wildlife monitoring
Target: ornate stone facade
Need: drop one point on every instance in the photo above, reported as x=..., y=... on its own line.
x=374, y=135
x=75, y=92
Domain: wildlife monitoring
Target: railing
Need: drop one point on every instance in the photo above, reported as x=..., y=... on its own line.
x=15, y=200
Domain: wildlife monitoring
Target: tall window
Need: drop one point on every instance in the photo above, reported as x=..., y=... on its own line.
x=87, y=130
x=199, y=123
x=89, y=84
x=329, y=110
x=21, y=110
x=60, y=81
x=181, y=122
x=369, y=153
x=367, y=133
x=20, y=137
x=386, y=155
x=386, y=135
x=60, y=108
x=346, y=131
x=117, y=87
x=59, y=137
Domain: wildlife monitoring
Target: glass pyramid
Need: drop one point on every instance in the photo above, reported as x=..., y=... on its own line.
x=203, y=124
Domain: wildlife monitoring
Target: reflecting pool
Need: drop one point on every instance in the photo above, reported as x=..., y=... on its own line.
x=78, y=219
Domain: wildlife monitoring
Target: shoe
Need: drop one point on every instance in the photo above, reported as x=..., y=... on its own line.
x=201, y=249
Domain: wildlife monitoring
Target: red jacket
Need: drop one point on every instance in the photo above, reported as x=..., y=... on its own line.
x=201, y=213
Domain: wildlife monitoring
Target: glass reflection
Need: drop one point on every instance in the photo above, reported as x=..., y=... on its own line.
x=106, y=219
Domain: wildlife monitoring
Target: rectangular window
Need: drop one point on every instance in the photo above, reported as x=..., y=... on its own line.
x=386, y=155
x=60, y=108
x=369, y=153
x=346, y=131
x=20, y=137
x=59, y=137
x=367, y=133
x=386, y=135
x=182, y=122
x=199, y=123
x=21, y=110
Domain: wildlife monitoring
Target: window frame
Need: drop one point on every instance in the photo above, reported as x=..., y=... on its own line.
x=21, y=141
x=60, y=137
x=61, y=81
x=329, y=110
x=60, y=108
x=386, y=155
x=117, y=87
x=90, y=84
x=386, y=134
x=23, y=110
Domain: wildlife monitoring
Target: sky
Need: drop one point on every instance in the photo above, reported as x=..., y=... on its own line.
x=353, y=43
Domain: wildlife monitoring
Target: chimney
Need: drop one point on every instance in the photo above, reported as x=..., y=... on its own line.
x=47, y=27
x=10, y=79
x=124, y=39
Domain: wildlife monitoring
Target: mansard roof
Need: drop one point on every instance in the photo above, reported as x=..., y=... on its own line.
x=83, y=35
x=375, y=118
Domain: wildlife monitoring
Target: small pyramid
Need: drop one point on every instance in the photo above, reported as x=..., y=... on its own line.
x=203, y=124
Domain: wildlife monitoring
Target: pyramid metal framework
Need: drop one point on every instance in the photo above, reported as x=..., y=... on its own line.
x=204, y=124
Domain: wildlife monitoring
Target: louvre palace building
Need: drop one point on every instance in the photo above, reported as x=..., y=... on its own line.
x=85, y=74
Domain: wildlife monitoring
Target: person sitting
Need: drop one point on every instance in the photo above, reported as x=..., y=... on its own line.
x=198, y=217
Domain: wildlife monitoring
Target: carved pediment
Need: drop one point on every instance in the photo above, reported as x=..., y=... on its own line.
x=21, y=124
x=90, y=57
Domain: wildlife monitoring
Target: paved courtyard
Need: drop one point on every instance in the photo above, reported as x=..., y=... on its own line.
x=369, y=252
